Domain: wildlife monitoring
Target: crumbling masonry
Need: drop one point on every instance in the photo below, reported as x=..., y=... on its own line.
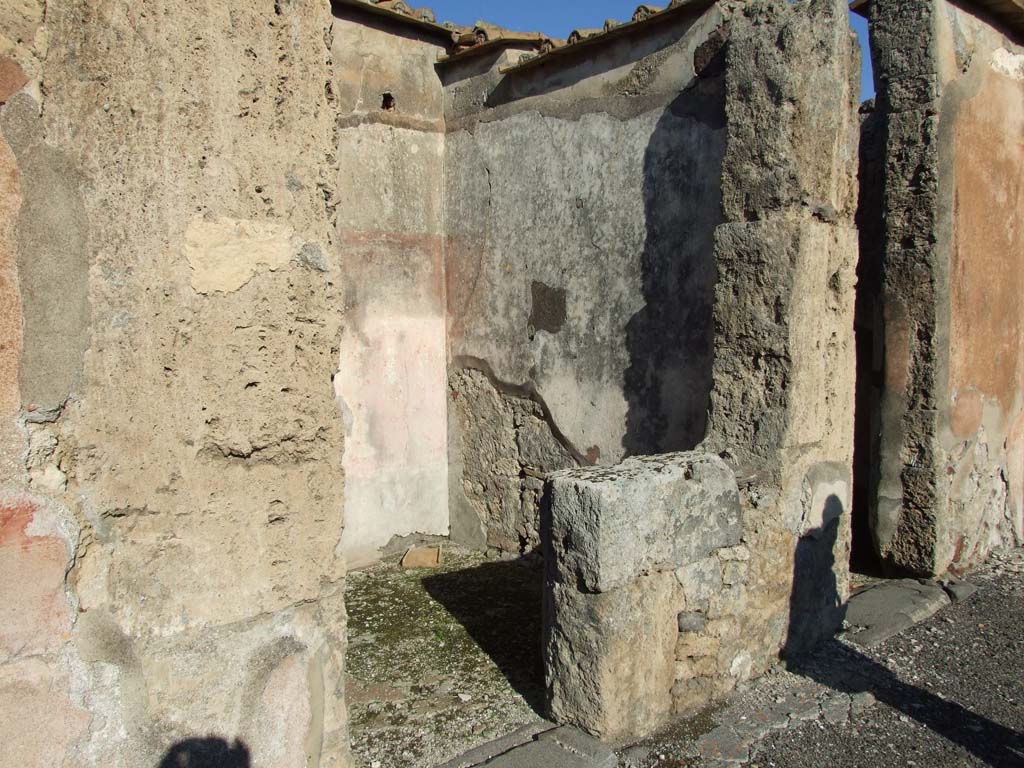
x=286, y=284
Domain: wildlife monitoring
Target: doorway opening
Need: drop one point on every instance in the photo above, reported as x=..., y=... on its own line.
x=869, y=337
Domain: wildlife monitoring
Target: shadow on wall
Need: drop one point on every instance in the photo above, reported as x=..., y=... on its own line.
x=670, y=341
x=210, y=752
x=499, y=605
x=816, y=612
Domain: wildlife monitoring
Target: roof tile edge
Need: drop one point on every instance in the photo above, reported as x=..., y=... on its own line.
x=398, y=10
x=645, y=15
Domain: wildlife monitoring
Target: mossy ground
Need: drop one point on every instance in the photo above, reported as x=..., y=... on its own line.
x=441, y=660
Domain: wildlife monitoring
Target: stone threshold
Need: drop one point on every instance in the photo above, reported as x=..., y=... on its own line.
x=539, y=744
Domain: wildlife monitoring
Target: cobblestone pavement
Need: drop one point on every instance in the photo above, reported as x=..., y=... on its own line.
x=946, y=692
x=441, y=660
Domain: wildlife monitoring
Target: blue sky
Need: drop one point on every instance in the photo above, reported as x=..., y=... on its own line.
x=559, y=17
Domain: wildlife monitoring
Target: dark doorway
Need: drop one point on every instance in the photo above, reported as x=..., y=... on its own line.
x=869, y=340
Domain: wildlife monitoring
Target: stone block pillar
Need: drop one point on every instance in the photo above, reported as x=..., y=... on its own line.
x=783, y=396
x=634, y=556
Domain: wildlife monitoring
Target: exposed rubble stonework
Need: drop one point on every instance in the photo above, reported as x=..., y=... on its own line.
x=951, y=89
x=507, y=448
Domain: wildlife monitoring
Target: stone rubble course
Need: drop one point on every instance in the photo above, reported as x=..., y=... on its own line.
x=628, y=548
x=901, y=702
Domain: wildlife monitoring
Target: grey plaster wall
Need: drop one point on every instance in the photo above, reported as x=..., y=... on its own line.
x=581, y=199
x=51, y=220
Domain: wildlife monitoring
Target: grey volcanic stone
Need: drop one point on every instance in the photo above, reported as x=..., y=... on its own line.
x=890, y=607
x=612, y=524
x=691, y=621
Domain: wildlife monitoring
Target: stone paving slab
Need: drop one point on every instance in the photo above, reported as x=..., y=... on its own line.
x=492, y=749
x=549, y=747
x=885, y=609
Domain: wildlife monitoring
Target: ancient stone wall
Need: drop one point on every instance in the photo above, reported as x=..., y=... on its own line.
x=388, y=204
x=171, y=501
x=581, y=200
x=670, y=579
x=782, y=401
x=951, y=89
x=645, y=576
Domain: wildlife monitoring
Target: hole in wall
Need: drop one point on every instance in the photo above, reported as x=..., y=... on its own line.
x=387, y=101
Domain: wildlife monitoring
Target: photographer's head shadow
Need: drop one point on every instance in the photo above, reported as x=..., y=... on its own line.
x=812, y=650
x=209, y=752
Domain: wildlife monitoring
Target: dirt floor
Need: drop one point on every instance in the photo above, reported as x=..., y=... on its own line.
x=950, y=690
x=442, y=660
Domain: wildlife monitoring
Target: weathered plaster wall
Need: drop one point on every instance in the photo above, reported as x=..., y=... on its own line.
x=983, y=434
x=388, y=205
x=11, y=319
x=171, y=512
x=951, y=286
x=581, y=199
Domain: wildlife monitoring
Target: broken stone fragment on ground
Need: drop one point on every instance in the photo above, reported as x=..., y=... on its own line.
x=423, y=557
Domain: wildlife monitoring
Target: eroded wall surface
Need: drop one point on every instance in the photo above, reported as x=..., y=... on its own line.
x=581, y=199
x=952, y=475
x=784, y=368
x=388, y=204
x=671, y=579
x=171, y=482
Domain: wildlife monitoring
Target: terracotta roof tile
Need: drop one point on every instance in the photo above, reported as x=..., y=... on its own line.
x=395, y=6
x=613, y=29
x=401, y=11
x=549, y=44
x=579, y=35
x=645, y=12
x=483, y=37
